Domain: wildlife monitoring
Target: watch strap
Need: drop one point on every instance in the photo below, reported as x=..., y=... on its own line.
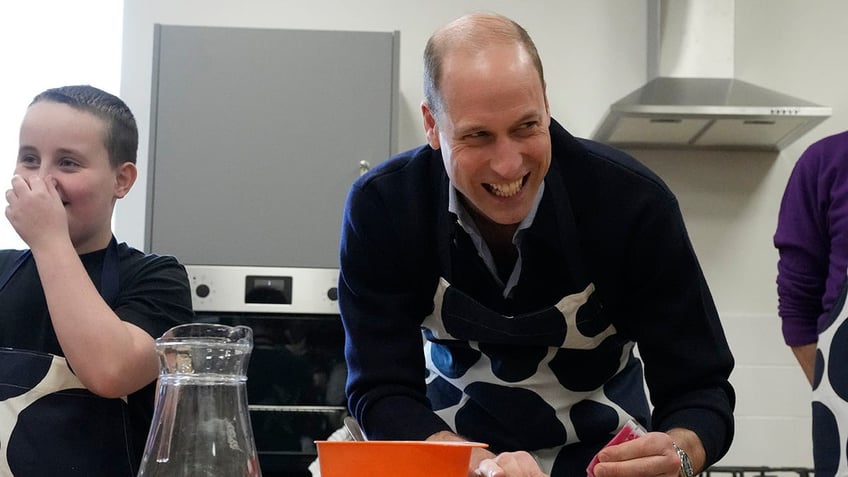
x=686, y=469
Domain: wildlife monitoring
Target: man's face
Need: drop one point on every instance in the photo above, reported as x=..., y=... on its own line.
x=492, y=130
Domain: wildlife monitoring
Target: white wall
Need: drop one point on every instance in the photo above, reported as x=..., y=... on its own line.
x=594, y=53
x=731, y=200
x=90, y=29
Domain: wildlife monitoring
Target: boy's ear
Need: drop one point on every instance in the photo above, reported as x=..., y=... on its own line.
x=125, y=177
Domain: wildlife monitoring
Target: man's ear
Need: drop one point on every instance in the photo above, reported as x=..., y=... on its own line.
x=430, y=126
x=125, y=177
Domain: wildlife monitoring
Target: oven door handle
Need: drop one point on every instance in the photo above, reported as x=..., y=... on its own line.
x=308, y=409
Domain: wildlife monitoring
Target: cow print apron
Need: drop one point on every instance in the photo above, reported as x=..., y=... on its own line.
x=830, y=394
x=50, y=425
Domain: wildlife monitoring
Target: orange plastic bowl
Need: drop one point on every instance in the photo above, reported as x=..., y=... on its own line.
x=394, y=458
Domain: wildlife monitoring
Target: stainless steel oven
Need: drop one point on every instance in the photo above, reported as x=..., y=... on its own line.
x=296, y=375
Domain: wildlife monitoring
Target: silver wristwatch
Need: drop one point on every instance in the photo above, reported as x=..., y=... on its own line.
x=686, y=469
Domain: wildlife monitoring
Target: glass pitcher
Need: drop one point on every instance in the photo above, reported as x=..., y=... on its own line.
x=201, y=426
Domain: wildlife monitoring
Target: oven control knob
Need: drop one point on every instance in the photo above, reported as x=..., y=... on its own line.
x=333, y=294
x=202, y=291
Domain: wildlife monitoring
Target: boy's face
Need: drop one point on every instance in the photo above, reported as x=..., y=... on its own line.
x=67, y=145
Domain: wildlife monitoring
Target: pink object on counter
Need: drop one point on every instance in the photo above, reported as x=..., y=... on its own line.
x=630, y=431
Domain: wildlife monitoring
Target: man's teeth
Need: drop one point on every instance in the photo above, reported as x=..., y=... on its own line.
x=506, y=190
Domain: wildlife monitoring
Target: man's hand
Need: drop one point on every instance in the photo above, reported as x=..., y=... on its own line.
x=649, y=455
x=510, y=464
x=484, y=463
x=806, y=356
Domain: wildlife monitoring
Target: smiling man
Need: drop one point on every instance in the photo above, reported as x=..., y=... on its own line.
x=493, y=290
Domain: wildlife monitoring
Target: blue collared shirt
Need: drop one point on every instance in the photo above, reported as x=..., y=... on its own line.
x=465, y=221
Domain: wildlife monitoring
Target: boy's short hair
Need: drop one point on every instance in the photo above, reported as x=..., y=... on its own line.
x=121, y=139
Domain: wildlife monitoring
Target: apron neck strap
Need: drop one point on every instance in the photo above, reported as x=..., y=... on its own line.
x=109, y=275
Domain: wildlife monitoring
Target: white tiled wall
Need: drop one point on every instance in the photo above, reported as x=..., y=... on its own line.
x=773, y=423
x=773, y=396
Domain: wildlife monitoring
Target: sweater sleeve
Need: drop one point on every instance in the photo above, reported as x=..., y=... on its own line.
x=382, y=306
x=657, y=296
x=812, y=239
x=680, y=338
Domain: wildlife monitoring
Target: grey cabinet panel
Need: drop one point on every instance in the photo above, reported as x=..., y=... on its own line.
x=256, y=137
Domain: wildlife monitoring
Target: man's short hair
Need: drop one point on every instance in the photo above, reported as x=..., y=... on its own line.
x=471, y=32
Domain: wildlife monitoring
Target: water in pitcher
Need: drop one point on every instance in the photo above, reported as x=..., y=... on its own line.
x=201, y=426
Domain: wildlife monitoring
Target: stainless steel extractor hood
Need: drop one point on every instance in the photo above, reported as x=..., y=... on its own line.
x=692, y=100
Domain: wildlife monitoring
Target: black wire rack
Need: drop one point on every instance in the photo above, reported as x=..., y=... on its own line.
x=757, y=471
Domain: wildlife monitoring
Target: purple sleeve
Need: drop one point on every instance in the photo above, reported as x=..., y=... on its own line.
x=812, y=239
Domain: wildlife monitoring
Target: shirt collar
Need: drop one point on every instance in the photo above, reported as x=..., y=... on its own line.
x=465, y=221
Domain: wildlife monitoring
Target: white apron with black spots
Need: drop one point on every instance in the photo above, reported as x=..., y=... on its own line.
x=50, y=425
x=536, y=385
x=830, y=395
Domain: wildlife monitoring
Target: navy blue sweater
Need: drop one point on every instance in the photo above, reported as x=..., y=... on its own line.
x=433, y=344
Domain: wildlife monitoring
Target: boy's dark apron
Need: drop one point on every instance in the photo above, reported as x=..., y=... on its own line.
x=50, y=425
x=830, y=394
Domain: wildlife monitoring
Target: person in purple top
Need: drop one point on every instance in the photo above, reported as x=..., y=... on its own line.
x=812, y=241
